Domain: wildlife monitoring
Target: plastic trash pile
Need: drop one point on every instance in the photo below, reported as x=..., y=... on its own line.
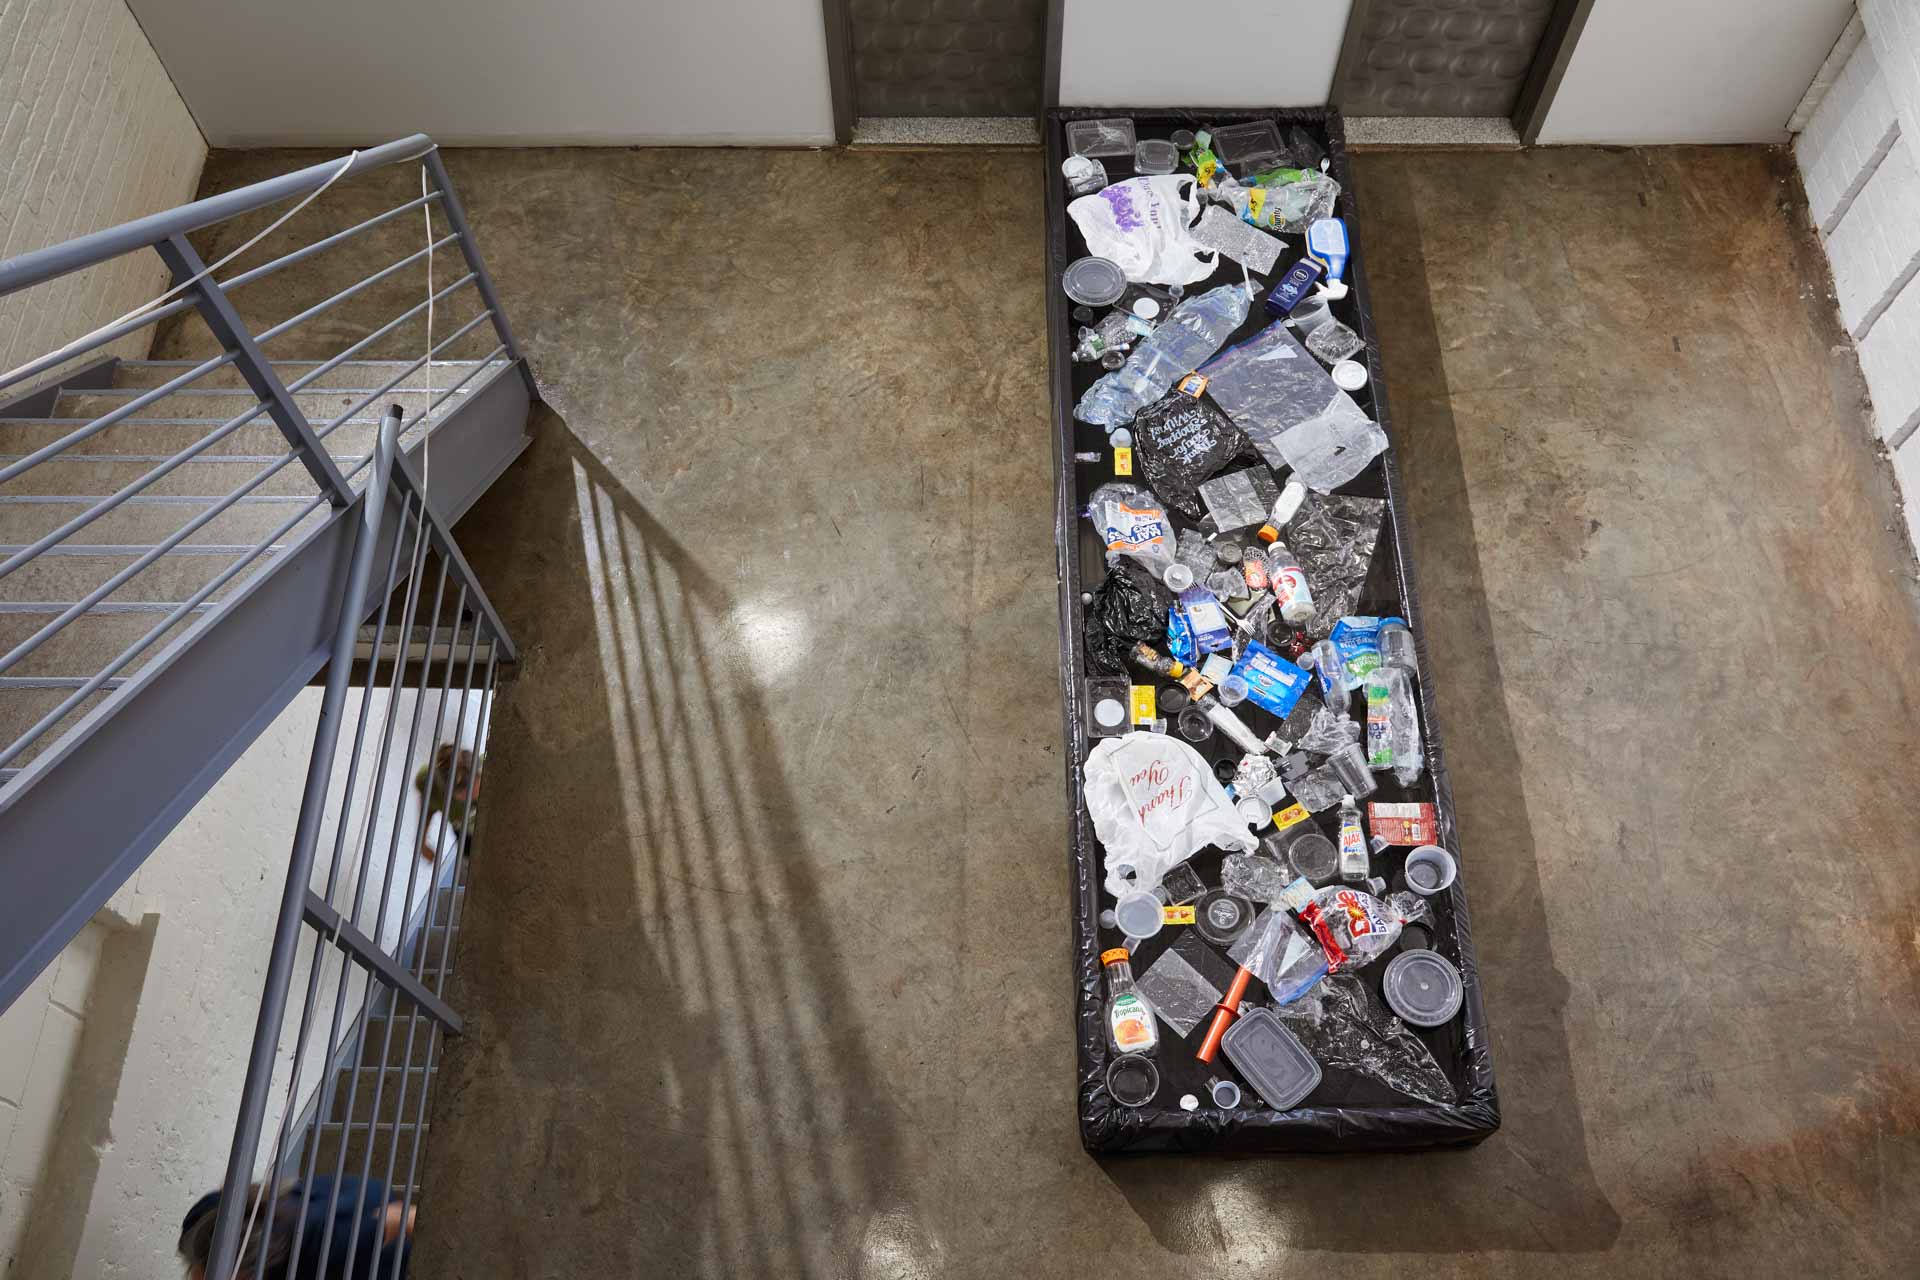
x=1257, y=772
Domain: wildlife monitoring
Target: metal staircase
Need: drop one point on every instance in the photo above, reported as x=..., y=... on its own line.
x=174, y=533
x=185, y=544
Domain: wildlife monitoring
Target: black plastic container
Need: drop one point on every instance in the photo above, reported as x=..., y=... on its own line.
x=1345, y=1112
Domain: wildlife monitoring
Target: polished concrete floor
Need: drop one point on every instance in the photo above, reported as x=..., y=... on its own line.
x=767, y=960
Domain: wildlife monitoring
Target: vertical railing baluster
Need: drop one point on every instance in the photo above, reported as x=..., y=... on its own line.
x=232, y=333
x=457, y=218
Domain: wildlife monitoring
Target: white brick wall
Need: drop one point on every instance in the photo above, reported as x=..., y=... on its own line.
x=92, y=134
x=1860, y=158
x=1849, y=134
x=1875, y=249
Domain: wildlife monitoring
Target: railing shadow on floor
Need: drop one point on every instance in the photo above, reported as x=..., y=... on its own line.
x=660, y=1028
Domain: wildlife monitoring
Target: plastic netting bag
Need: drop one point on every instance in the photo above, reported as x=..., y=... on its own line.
x=1127, y=608
x=1180, y=443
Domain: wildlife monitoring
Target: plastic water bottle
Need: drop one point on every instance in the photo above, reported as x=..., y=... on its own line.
x=1289, y=583
x=1196, y=329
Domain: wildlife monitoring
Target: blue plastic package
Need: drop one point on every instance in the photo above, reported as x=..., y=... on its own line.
x=1180, y=638
x=1358, y=640
x=1206, y=619
x=1273, y=683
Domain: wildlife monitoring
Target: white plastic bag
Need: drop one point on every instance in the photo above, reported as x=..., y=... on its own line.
x=1155, y=801
x=1142, y=224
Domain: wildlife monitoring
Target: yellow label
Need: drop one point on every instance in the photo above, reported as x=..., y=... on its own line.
x=1256, y=198
x=1288, y=816
x=1177, y=915
x=1143, y=704
x=1122, y=460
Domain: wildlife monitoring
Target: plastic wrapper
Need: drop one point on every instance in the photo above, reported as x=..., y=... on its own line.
x=1319, y=789
x=1180, y=443
x=1178, y=992
x=1153, y=801
x=1334, y=538
x=1248, y=245
x=1341, y=1026
x=1132, y=523
x=1127, y=608
x=1253, y=877
x=1330, y=731
x=1240, y=499
x=1347, y=929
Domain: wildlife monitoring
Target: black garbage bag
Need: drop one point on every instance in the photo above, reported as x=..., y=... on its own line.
x=1180, y=443
x=1128, y=607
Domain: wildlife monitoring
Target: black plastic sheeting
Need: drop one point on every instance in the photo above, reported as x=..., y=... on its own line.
x=1346, y=1112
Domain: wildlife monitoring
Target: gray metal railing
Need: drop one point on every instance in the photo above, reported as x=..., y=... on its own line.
x=332, y=911
x=40, y=383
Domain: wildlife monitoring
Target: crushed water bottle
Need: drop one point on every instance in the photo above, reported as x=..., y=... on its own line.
x=1393, y=725
x=1196, y=329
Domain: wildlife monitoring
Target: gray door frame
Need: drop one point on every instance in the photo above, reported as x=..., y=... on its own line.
x=1564, y=25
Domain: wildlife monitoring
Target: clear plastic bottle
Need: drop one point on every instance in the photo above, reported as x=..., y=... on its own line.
x=1184, y=341
x=1131, y=1027
x=1289, y=583
x=1354, y=867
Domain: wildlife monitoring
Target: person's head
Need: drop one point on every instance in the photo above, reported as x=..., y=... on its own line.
x=196, y=1234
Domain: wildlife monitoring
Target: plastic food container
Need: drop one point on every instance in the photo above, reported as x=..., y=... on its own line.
x=1422, y=987
x=1246, y=148
x=1271, y=1059
x=1111, y=137
x=1155, y=155
x=1094, y=282
x=1314, y=856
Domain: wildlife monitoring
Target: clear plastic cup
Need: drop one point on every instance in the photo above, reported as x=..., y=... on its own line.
x=1429, y=870
x=1194, y=725
x=1177, y=577
x=1233, y=691
x=1133, y=1080
x=1138, y=915
x=1225, y=1093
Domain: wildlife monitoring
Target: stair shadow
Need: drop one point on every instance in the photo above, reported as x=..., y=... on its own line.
x=662, y=1073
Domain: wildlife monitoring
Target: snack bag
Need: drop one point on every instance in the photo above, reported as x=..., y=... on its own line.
x=1132, y=522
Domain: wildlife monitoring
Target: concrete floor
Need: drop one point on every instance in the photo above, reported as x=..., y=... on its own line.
x=766, y=967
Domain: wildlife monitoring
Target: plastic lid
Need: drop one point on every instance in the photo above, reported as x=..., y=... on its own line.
x=1139, y=915
x=1119, y=437
x=1350, y=375
x=1271, y=1058
x=1094, y=281
x=1423, y=987
x=1109, y=712
x=1313, y=855
x=1220, y=917
x=1113, y=955
x=1146, y=308
x=1188, y=1102
x=1132, y=1079
x=1178, y=577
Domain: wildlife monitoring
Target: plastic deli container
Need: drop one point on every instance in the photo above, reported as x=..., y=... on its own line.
x=1094, y=282
x=1423, y=988
x=1271, y=1059
x=1111, y=137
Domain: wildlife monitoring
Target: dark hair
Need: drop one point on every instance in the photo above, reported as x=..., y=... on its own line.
x=196, y=1232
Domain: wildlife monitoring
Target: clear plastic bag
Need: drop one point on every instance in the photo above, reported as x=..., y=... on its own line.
x=1333, y=446
x=1267, y=384
x=1334, y=538
x=1330, y=731
x=1341, y=1026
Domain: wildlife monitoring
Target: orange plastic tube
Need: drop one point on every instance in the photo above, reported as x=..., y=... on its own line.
x=1224, y=1013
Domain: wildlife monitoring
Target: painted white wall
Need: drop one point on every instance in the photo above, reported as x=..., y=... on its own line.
x=1216, y=53
x=498, y=72
x=91, y=134
x=211, y=891
x=1663, y=71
